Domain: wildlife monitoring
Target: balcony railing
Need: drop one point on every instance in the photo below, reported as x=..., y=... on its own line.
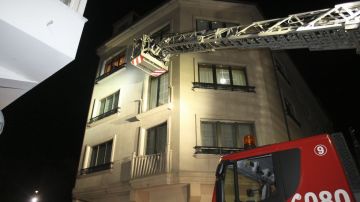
x=223, y=87
x=147, y=165
x=113, y=70
x=216, y=150
x=101, y=116
x=97, y=168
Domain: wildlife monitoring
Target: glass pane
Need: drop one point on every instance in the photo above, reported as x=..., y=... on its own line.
x=164, y=89
x=226, y=131
x=229, y=187
x=239, y=78
x=116, y=100
x=208, y=134
x=202, y=25
x=215, y=25
x=122, y=59
x=205, y=73
x=101, y=154
x=222, y=76
x=153, y=93
x=150, y=142
x=256, y=179
x=93, y=156
x=109, y=103
x=161, y=138
x=102, y=106
x=108, y=152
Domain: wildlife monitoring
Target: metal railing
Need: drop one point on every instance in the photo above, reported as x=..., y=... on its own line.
x=147, y=165
x=113, y=70
x=97, y=168
x=223, y=87
x=216, y=150
x=103, y=115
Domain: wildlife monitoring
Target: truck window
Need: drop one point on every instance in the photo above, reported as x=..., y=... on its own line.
x=256, y=179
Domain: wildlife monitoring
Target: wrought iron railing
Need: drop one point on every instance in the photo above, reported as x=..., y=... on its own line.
x=216, y=150
x=103, y=115
x=223, y=87
x=113, y=70
x=97, y=168
x=147, y=165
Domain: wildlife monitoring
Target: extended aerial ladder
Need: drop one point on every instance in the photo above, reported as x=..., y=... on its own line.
x=326, y=29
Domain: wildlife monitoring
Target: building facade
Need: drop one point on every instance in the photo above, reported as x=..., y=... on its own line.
x=160, y=138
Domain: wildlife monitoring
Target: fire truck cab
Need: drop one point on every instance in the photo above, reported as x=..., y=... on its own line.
x=313, y=169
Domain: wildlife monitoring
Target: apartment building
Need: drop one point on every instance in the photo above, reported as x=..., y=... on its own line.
x=160, y=138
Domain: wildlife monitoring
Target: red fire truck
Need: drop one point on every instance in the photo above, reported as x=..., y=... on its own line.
x=313, y=169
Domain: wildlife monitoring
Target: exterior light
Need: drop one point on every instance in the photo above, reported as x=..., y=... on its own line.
x=223, y=81
x=34, y=199
x=249, y=142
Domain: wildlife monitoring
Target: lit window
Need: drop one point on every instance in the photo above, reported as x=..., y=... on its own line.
x=224, y=134
x=156, y=139
x=222, y=77
x=159, y=90
x=112, y=65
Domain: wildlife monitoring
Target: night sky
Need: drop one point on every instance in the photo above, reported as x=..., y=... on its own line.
x=41, y=144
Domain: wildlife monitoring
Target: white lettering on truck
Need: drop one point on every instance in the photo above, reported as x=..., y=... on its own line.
x=339, y=195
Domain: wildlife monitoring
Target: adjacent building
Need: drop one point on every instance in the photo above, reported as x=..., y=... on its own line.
x=38, y=38
x=160, y=138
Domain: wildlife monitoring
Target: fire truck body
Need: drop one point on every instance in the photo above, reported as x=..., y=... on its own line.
x=314, y=169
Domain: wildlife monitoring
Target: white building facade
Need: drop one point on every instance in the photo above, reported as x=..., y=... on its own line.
x=38, y=38
x=160, y=138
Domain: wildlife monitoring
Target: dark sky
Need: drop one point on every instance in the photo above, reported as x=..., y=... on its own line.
x=40, y=146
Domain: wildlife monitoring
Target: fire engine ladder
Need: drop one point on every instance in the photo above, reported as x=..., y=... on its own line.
x=327, y=29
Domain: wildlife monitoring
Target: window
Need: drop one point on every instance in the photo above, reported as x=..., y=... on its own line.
x=159, y=91
x=224, y=134
x=290, y=111
x=211, y=25
x=156, y=139
x=222, y=77
x=112, y=65
x=161, y=34
x=108, y=106
x=255, y=179
x=100, y=158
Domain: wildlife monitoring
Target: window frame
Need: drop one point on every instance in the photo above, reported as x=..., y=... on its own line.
x=115, y=107
x=217, y=137
x=210, y=22
x=217, y=85
x=107, y=159
x=156, y=136
x=102, y=73
x=158, y=89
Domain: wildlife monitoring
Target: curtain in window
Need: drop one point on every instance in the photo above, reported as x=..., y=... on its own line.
x=93, y=156
x=164, y=89
x=226, y=133
x=161, y=139
x=205, y=74
x=239, y=78
x=208, y=134
x=153, y=93
x=150, y=142
x=222, y=76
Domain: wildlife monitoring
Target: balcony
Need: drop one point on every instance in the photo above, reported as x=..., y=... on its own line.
x=38, y=38
x=107, y=74
x=223, y=87
x=147, y=165
x=103, y=115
